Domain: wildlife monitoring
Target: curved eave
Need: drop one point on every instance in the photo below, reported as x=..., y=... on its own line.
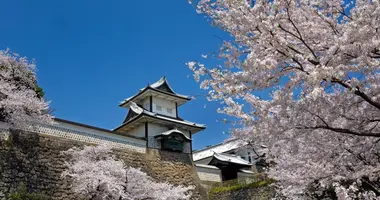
x=144, y=117
x=131, y=114
x=181, y=99
x=172, y=132
x=163, y=85
x=228, y=160
x=220, y=164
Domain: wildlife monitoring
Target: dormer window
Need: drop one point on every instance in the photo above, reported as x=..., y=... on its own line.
x=158, y=108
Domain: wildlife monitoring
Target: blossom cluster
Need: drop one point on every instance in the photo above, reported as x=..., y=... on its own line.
x=303, y=77
x=20, y=102
x=97, y=174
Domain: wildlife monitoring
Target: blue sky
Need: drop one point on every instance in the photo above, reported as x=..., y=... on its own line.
x=92, y=54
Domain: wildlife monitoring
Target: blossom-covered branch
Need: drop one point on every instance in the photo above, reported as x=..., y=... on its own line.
x=21, y=99
x=316, y=65
x=97, y=174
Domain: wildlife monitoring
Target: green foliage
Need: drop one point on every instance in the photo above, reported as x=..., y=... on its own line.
x=239, y=186
x=39, y=91
x=22, y=194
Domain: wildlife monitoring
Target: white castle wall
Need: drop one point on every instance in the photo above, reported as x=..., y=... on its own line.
x=153, y=130
x=84, y=134
x=146, y=103
x=209, y=173
x=165, y=105
x=138, y=131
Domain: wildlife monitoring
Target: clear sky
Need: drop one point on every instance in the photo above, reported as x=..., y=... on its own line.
x=91, y=55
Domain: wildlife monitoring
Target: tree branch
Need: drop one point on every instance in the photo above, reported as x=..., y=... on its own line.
x=358, y=92
x=341, y=130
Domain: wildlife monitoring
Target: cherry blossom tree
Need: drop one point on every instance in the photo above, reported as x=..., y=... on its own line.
x=96, y=174
x=21, y=99
x=303, y=78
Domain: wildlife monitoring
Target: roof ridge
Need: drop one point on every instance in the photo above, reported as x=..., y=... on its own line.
x=212, y=146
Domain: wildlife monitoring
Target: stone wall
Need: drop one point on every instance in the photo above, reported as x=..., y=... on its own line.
x=35, y=161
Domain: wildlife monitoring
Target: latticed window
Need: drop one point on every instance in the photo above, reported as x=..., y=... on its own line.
x=159, y=108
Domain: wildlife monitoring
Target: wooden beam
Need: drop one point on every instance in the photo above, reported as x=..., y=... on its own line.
x=176, y=110
x=151, y=103
x=146, y=133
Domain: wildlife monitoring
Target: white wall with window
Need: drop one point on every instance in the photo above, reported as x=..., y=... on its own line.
x=164, y=107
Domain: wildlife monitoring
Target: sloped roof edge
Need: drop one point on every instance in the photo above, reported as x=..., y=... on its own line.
x=141, y=112
x=231, y=159
x=155, y=87
x=172, y=131
x=218, y=148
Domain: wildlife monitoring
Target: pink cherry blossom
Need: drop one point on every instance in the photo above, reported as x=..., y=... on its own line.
x=19, y=102
x=97, y=174
x=303, y=78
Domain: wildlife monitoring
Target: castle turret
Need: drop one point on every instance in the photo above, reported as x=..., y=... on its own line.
x=153, y=115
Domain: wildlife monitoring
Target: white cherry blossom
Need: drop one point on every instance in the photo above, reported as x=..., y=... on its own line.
x=303, y=78
x=97, y=174
x=19, y=101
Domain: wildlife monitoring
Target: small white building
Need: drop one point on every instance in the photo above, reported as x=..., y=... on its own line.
x=234, y=159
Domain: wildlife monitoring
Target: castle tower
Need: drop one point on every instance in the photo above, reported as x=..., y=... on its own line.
x=153, y=115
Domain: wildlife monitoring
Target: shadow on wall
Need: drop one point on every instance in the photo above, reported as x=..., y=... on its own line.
x=28, y=160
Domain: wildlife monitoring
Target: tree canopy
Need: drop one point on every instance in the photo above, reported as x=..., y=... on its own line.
x=21, y=99
x=318, y=64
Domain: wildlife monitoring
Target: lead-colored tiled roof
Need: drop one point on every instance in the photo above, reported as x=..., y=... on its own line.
x=231, y=158
x=138, y=110
x=157, y=85
x=219, y=148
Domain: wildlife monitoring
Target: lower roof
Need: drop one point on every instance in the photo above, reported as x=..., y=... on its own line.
x=219, y=148
x=228, y=158
x=141, y=116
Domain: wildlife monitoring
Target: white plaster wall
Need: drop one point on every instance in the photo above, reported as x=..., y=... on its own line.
x=98, y=132
x=153, y=130
x=146, y=103
x=85, y=134
x=165, y=104
x=243, y=152
x=208, y=174
x=138, y=131
x=156, y=129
